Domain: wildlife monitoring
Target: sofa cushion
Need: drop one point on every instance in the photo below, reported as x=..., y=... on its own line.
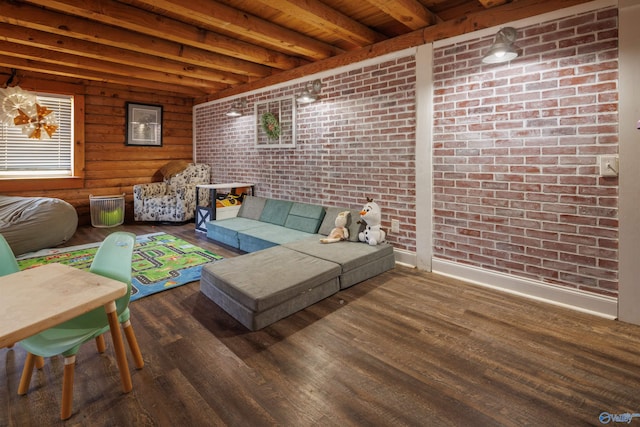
x=329, y=222
x=265, y=279
x=305, y=217
x=250, y=243
x=348, y=254
x=276, y=211
x=226, y=230
x=267, y=235
x=258, y=320
x=358, y=261
x=252, y=207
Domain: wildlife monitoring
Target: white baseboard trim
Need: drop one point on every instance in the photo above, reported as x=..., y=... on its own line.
x=586, y=302
x=406, y=258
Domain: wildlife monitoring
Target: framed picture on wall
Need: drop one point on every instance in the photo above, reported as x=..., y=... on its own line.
x=276, y=123
x=144, y=124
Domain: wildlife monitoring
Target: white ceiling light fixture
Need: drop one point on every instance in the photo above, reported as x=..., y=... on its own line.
x=236, y=108
x=503, y=49
x=310, y=92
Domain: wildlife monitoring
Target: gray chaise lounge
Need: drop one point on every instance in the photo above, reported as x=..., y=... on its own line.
x=287, y=268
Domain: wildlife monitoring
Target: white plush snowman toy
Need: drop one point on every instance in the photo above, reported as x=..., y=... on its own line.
x=372, y=233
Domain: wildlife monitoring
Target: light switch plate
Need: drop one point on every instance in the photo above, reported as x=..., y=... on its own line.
x=609, y=166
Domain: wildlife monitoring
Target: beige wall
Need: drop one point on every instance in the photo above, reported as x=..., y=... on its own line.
x=629, y=299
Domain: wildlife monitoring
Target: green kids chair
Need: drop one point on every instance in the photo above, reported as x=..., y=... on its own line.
x=112, y=260
x=8, y=263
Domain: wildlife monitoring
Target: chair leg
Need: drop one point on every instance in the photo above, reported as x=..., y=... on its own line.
x=27, y=370
x=67, y=387
x=118, y=347
x=100, y=343
x=133, y=344
x=39, y=362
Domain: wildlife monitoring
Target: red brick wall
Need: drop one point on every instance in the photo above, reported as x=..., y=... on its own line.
x=516, y=177
x=356, y=142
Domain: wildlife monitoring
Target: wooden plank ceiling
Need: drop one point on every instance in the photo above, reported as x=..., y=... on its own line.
x=208, y=49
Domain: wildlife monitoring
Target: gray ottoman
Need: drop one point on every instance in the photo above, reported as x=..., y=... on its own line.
x=262, y=287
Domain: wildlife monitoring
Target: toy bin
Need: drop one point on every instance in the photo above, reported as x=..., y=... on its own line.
x=106, y=211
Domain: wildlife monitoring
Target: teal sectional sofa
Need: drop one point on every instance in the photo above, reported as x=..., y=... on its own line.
x=262, y=223
x=286, y=268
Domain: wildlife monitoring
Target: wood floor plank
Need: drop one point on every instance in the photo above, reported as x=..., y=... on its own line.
x=405, y=348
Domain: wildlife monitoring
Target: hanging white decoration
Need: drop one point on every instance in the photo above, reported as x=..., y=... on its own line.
x=13, y=100
x=36, y=119
x=20, y=108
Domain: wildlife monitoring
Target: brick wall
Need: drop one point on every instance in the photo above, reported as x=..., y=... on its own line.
x=358, y=141
x=516, y=177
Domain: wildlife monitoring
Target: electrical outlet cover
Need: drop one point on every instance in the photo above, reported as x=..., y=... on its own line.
x=609, y=166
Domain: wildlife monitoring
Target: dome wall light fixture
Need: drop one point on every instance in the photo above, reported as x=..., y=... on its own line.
x=503, y=49
x=310, y=92
x=237, y=107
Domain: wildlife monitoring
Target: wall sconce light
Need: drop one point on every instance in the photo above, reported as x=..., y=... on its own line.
x=310, y=92
x=236, y=108
x=502, y=49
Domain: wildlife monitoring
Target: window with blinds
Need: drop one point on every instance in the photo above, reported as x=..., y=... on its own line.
x=21, y=156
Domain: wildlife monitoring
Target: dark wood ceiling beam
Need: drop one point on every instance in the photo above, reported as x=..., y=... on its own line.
x=500, y=15
x=60, y=70
x=73, y=46
x=324, y=17
x=411, y=13
x=153, y=24
x=492, y=3
x=83, y=29
x=217, y=16
x=68, y=60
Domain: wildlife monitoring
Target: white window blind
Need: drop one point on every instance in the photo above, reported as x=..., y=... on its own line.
x=21, y=156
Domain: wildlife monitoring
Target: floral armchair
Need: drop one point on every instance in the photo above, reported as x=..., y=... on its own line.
x=174, y=199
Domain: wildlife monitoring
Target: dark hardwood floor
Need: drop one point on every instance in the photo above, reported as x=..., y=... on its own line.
x=406, y=348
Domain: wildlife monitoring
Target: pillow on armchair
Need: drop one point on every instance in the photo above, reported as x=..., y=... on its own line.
x=174, y=199
x=173, y=167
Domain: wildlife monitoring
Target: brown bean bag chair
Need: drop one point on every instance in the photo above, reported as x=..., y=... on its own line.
x=33, y=223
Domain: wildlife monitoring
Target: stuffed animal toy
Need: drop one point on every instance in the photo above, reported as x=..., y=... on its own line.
x=372, y=215
x=340, y=231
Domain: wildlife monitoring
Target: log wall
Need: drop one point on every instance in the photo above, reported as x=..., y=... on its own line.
x=111, y=167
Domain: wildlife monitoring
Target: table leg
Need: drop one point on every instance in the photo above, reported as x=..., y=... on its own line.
x=212, y=198
x=27, y=370
x=195, y=214
x=67, y=387
x=118, y=346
